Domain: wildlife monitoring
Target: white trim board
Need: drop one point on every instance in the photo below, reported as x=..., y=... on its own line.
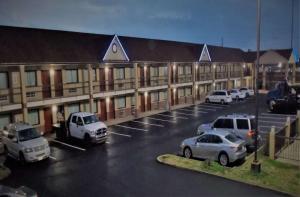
x=202, y=56
x=113, y=41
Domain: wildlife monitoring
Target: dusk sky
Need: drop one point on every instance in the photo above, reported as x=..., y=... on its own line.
x=199, y=21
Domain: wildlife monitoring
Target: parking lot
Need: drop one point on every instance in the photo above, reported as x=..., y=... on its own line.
x=126, y=164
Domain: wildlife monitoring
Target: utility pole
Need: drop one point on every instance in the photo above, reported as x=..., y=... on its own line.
x=255, y=165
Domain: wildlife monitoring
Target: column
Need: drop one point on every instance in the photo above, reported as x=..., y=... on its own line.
x=91, y=94
x=214, y=67
x=194, y=82
x=169, y=93
x=228, y=76
x=23, y=92
x=242, y=68
x=107, y=100
x=136, y=89
x=52, y=80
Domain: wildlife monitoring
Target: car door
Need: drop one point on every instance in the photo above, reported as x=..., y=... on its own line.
x=73, y=127
x=200, y=149
x=214, y=146
x=80, y=127
x=212, y=97
x=242, y=127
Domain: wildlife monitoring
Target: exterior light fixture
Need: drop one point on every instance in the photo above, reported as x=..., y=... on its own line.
x=174, y=67
x=146, y=94
x=145, y=67
x=107, y=100
x=52, y=71
x=214, y=66
x=196, y=66
x=244, y=65
x=54, y=108
x=106, y=69
x=214, y=84
x=174, y=90
x=196, y=87
x=279, y=65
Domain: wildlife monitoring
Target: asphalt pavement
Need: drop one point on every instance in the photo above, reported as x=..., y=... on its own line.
x=126, y=165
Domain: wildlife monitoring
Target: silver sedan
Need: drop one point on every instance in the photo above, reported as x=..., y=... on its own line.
x=220, y=146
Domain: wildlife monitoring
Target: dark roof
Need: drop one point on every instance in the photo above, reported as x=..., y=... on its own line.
x=286, y=53
x=225, y=54
x=142, y=49
x=250, y=56
x=18, y=45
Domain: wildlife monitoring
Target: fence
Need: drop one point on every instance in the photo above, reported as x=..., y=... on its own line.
x=285, y=143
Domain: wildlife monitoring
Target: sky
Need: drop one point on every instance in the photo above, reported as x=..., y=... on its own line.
x=198, y=21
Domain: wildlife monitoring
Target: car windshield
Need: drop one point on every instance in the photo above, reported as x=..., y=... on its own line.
x=90, y=119
x=28, y=134
x=231, y=138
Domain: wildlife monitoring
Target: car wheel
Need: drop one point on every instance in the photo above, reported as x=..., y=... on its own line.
x=187, y=153
x=22, y=158
x=207, y=100
x=223, y=159
x=222, y=102
x=87, y=139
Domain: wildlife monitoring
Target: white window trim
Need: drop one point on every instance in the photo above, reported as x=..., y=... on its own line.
x=204, y=48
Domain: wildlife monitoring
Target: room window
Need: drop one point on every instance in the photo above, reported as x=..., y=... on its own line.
x=188, y=91
x=120, y=73
x=72, y=76
x=121, y=102
x=85, y=75
x=73, y=108
x=3, y=80
x=133, y=100
x=154, y=96
x=163, y=96
x=94, y=75
x=181, y=92
x=31, y=78
x=164, y=71
x=188, y=70
x=33, y=117
x=4, y=120
x=154, y=71
x=180, y=70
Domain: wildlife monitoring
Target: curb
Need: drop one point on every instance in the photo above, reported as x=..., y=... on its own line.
x=158, y=159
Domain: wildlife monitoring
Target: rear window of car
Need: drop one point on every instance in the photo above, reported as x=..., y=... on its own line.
x=231, y=138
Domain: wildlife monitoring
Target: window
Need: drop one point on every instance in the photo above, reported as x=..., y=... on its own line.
x=4, y=120
x=94, y=74
x=203, y=139
x=120, y=73
x=74, y=118
x=3, y=80
x=242, y=124
x=164, y=71
x=224, y=123
x=31, y=78
x=95, y=108
x=215, y=139
x=181, y=92
x=188, y=70
x=85, y=75
x=33, y=117
x=132, y=100
x=79, y=121
x=188, y=91
x=154, y=71
x=73, y=108
x=180, y=70
x=86, y=106
x=163, y=96
x=154, y=96
x=231, y=138
x=121, y=102
x=72, y=76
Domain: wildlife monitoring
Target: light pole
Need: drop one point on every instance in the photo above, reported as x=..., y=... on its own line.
x=255, y=165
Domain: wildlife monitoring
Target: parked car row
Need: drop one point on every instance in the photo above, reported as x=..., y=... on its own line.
x=226, y=97
x=226, y=140
x=23, y=142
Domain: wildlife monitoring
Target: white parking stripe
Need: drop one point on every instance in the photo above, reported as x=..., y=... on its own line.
x=117, y=125
x=203, y=112
x=164, y=120
x=184, y=113
x=216, y=105
x=121, y=134
x=179, y=117
x=285, y=115
x=273, y=122
x=208, y=106
x=75, y=147
x=51, y=157
x=203, y=108
x=146, y=123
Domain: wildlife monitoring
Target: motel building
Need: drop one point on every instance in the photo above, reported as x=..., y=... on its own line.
x=46, y=74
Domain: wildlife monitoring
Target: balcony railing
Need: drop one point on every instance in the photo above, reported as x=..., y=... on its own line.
x=235, y=74
x=10, y=96
x=115, y=85
x=221, y=75
x=154, y=81
x=204, y=77
x=247, y=72
x=185, y=78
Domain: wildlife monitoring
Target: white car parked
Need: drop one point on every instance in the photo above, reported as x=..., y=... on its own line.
x=23, y=142
x=248, y=92
x=86, y=126
x=237, y=95
x=219, y=96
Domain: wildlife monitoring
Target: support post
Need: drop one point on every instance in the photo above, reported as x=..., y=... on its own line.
x=136, y=90
x=272, y=143
x=23, y=92
x=91, y=95
x=194, y=82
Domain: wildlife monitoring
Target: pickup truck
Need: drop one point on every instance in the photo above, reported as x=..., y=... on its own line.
x=86, y=126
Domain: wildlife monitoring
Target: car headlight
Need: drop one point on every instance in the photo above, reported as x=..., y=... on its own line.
x=28, y=150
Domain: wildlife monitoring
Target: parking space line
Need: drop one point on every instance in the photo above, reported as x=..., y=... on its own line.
x=203, y=108
x=273, y=122
x=75, y=147
x=51, y=157
x=272, y=117
x=121, y=134
x=184, y=113
x=179, y=117
x=215, y=107
x=146, y=123
x=161, y=120
x=291, y=115
x=190, y=110
x=117, y=125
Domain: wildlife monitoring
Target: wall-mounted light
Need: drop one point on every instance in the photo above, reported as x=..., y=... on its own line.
x=214, y=84
x=196, y=66
x=244, y=65
x=196, y=87
x=174, y=90
x=54, y=109
x=106, y=69
x=146, y=94
x=52, y=71
x=145, y=67
x=214, y=66
x=174, y=66
x=107, y=100
x=279, y=65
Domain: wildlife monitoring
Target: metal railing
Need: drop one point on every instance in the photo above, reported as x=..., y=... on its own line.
x=221, y=75
x=154, y=81
x=204, y=77
x=290, y=148
x=10, y=96
x=185, y=78
x=235, y=74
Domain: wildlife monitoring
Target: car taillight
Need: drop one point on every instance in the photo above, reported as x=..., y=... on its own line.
x=251, y=133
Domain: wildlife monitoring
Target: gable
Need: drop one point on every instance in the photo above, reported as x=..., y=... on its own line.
x=115, y=51
x=271, y=57
x=204, y=54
